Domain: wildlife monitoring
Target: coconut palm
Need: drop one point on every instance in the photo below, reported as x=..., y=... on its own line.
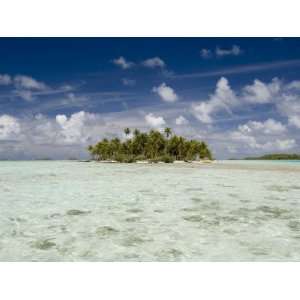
x=127, y=131
x=168, y=132
x=153, y=145
x=136, y=132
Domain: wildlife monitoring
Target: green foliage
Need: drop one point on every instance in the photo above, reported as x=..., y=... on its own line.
x=167, y=158
x=127, y=131
x=276, y=156
x=153, y=146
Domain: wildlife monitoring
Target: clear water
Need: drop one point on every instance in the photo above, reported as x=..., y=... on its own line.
x=227, y=211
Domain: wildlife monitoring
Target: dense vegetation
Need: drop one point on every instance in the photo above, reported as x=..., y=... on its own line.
x=276, y=156
x=154, y=146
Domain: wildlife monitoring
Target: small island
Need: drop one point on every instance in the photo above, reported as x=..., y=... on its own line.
x=153, y=146
x=276, y=156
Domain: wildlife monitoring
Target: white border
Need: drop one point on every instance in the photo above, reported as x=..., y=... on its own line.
x=149, y=18
x=149, y=281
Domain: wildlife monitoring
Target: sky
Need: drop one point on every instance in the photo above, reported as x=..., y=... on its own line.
x=59, y=95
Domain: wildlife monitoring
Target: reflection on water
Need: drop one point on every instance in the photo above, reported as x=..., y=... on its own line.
x=227, y=211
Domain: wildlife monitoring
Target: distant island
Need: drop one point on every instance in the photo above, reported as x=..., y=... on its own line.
x=276, y=156
x=152, y=146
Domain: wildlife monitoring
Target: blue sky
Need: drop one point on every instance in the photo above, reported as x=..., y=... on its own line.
x=57, y=95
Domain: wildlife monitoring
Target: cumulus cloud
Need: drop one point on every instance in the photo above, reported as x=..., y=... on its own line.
x=5, y=79
x=205, y=53
x=264, y=136
x=9, y=127
x=289, y=106
x=223, y=99
x=234, y=50
x=154, y=121
x=260, y=92
x=166, y=93
x=41, y=136
x=284, y=99
x=61, y=119
x=154, y=62
x=294, y=121
x=27, y=82
x=25, y=94
x=123, y=63
x=68, y=135
x=28, y=88
x=128, y=82
x=294, y=85
x=254, y=136
x=270, y=126
x=284, y=144
x=181, y=121
x=272, y=145
x=220, y=52
x=73, y=128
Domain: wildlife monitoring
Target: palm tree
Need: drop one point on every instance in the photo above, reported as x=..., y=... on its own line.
x=91, y=149
x=168, y=131
x=152, y=145
x=156, y=144
x=127, y=131
x=136, y=132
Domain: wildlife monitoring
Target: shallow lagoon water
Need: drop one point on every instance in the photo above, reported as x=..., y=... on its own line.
x=226, y=211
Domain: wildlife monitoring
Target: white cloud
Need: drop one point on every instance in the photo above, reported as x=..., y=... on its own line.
x=205, y=53
x=166, y=93
x=26, y=86
x=272, y=145
x=294, y=85
x=294, y=121
x=77, y=130
x=68, y=135
x=244, y=138
x=267, y=136
x=219, y=52
x=5, y=79
x=123, y=63
x=61, y=119
x=276, y=93
x=289, y=106
x=154, y=62
x=41, y=136
x=223, y=99
x=71, y=98
x=25, y=94
x=73, y=128
x=260, y=92
x=203, y=111
x=27, y=82
x=9, y=127
x=181, y=121
x=270, y=126
x=284, y=144
x=235, y=51
x=154, y=121
x=128, y=82
x=66, y=88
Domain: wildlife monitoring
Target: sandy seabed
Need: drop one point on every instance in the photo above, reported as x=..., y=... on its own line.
x=225, y=211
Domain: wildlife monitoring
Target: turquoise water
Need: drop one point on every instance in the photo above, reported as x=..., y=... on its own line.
x=226, y=211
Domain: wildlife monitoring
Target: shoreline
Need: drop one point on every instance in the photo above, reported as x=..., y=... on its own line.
x=151, y=162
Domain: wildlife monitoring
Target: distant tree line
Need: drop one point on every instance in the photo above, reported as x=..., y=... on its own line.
x=153, y=146
x=276, y=156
